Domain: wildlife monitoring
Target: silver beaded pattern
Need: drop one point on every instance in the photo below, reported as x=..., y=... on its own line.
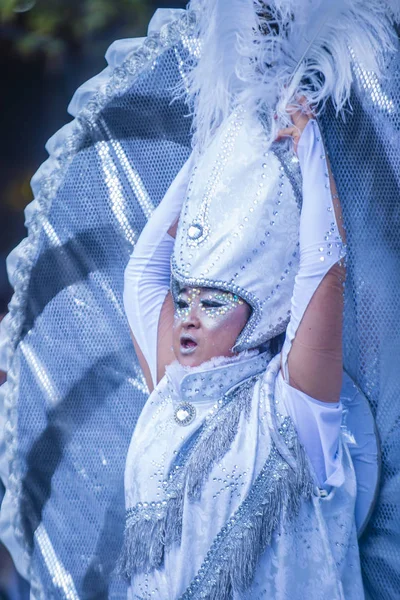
x=238, y=230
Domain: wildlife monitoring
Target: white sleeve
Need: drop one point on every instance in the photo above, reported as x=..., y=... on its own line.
x=320, y=243
x=317, y=423
x=318, y=428
x=147, y=275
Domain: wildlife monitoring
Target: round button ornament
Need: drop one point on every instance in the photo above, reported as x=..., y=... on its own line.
x=184, y=413
x=195, y=231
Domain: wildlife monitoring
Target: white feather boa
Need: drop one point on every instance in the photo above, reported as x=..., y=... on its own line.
x=304, y=48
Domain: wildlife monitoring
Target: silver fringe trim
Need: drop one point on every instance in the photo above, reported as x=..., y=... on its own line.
x=143, y=547
x=149, y=531
x=215, y=443
x=151, y=527
x=275, y=498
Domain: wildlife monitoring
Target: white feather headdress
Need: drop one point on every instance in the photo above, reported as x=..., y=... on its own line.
x=265, y=54
x=214, y=82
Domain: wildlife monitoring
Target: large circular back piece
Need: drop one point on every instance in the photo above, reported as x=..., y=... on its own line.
x=358, y=426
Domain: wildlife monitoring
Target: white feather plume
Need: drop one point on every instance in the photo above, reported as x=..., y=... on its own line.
x=313, y=52
x=265, y=54
x=213, y=83
x=394, y=7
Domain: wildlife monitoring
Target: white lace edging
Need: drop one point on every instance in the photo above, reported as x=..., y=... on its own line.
x=128, y=59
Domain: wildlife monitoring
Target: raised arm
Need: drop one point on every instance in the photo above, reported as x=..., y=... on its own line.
x=312, y=352
x=147, y=300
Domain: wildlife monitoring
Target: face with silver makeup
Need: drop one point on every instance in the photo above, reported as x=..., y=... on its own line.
x=207, y=323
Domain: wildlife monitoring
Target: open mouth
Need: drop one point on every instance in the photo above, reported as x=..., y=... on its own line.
x=188, y=344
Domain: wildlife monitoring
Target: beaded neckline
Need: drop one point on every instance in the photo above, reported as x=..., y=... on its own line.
x=211, y=379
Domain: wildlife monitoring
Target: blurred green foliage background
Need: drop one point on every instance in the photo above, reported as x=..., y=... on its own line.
x=50, y=26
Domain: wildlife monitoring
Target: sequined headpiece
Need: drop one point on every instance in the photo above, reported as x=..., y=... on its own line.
x=238, y=229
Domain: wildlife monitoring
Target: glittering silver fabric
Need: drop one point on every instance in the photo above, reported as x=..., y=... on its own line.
x=74, y=387
x=365, y=155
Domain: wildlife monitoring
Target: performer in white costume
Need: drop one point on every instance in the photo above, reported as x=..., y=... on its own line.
x=246, y=477
x=222, y=501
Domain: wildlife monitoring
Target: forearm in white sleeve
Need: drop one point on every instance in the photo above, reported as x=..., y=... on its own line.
x=321, y=245
x=147, y=275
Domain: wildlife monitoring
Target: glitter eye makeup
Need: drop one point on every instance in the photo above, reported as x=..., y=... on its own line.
x=214, y=304
x=181, y=309
x=185, y=301
x=219, y=303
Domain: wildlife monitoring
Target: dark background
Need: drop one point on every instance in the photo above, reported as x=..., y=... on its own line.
x=47, y=49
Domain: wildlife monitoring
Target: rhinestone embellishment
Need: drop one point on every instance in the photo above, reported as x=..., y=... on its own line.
x=195, y=231
x=184, y=413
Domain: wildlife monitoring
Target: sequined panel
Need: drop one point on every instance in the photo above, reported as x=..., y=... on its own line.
x=365, y=154
x=81, y=389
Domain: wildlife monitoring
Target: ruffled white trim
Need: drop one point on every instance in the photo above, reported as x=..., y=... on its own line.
x=128, y=59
